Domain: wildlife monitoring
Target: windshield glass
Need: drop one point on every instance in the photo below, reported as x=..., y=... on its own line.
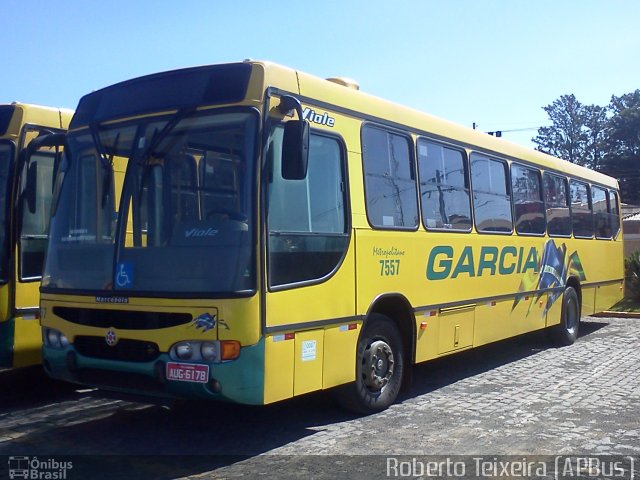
x=157, y=206
x=6, y=155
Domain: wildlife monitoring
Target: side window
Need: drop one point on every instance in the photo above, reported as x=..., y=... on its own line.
x=444, y=187
x=6, y=162
x=581, y=214
x=527, y=199
x=306, y=218
x=556, y=199
x=37, y=192
x=601, y=218
x=390, y=186
x=615, y=214
x=491, y=200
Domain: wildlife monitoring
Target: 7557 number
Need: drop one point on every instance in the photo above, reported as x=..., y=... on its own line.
x=389, y=268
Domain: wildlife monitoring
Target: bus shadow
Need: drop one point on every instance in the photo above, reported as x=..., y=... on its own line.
x=130, y=439
x=31, y=387
x=137, y=440
x=445, y=371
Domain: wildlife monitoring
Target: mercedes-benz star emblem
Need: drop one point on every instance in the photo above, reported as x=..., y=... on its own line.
x=111, y=338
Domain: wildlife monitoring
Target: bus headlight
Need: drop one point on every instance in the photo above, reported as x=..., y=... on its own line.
x=184, y=351
x=54, y=338
x=209, y=351
x=214, y=351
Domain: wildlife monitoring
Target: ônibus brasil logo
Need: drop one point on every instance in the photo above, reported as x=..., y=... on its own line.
x=38, y=469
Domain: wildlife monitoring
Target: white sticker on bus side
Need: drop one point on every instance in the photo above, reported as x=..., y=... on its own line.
x=308, y=350
x=388, y=221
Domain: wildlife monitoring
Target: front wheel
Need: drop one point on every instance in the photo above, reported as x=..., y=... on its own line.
x=567, y=331
x=379, y=368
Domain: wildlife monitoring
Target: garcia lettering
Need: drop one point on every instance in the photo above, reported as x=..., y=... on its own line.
x=444, y=262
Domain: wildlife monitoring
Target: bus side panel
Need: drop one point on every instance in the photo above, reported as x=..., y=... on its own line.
x=427, y=335
x=555, y=312
x=5, y=310
x=340, y=353
x=278, y=368
x=28, y=341
x=456, y=329
x=27, y=295
x=527, y=314
x=393, y=263
x=493, y=322
x=607, y=296
x=602, y=261
x=307, y=375
x=588, y=300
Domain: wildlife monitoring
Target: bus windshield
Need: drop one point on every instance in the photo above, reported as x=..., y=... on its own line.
x=157, y=206
x=6, y=154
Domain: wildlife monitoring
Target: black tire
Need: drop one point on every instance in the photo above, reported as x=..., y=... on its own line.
x=566, y=332
x=379, y=368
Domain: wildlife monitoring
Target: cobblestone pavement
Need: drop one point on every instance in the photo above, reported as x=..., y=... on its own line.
x=518, y=397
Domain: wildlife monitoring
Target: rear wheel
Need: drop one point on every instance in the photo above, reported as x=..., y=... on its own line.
x=567, y=331
x=379, y=368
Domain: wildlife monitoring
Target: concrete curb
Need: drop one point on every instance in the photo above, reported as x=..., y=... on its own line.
x=611, y=313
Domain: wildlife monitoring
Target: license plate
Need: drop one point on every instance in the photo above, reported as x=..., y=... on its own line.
x=188, y=372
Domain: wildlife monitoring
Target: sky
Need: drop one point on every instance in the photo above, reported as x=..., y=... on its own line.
x=492, y=62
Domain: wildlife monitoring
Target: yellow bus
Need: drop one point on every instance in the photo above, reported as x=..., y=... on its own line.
x=26, y=182
x=277, y=234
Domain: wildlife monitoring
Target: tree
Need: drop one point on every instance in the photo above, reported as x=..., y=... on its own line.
x=577, y=131
x=622, y=146
x=603, y=138
x=596, y=135
x=624, y=127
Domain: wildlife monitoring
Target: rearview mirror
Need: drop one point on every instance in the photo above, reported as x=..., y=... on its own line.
x=295, y=150
x=46, y=140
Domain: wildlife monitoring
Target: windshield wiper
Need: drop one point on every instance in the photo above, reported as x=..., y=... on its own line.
x=159, y=136
x=102, y=153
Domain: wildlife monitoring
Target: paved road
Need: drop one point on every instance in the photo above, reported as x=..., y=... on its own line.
x=519, y=397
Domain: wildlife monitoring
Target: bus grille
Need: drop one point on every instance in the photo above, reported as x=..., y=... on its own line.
x=125, y=350
x=122, y=319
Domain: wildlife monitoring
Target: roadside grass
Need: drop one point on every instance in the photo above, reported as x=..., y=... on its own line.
x=629, y=305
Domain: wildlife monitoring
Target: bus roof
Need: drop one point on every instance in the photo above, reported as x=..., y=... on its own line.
x=247, y=81
x=18, y=114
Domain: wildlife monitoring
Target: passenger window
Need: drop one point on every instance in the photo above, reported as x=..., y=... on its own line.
x=308, y=232
x=390, y=186
x=615, y=214
x=444, y=187
x=581, y=213
x=556, y=199
x=36, y=208
x=527, y=199
x=491, y=200
x=601, y=218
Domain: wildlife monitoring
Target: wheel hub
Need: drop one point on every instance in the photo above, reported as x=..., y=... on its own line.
x=378, y=365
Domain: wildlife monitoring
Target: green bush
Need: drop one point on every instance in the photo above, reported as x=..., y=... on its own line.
x=632, y=274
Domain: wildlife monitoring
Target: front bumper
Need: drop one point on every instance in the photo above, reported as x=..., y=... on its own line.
x=240, y=380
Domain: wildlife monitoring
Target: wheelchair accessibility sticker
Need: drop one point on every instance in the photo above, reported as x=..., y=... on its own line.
x=124, y=274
